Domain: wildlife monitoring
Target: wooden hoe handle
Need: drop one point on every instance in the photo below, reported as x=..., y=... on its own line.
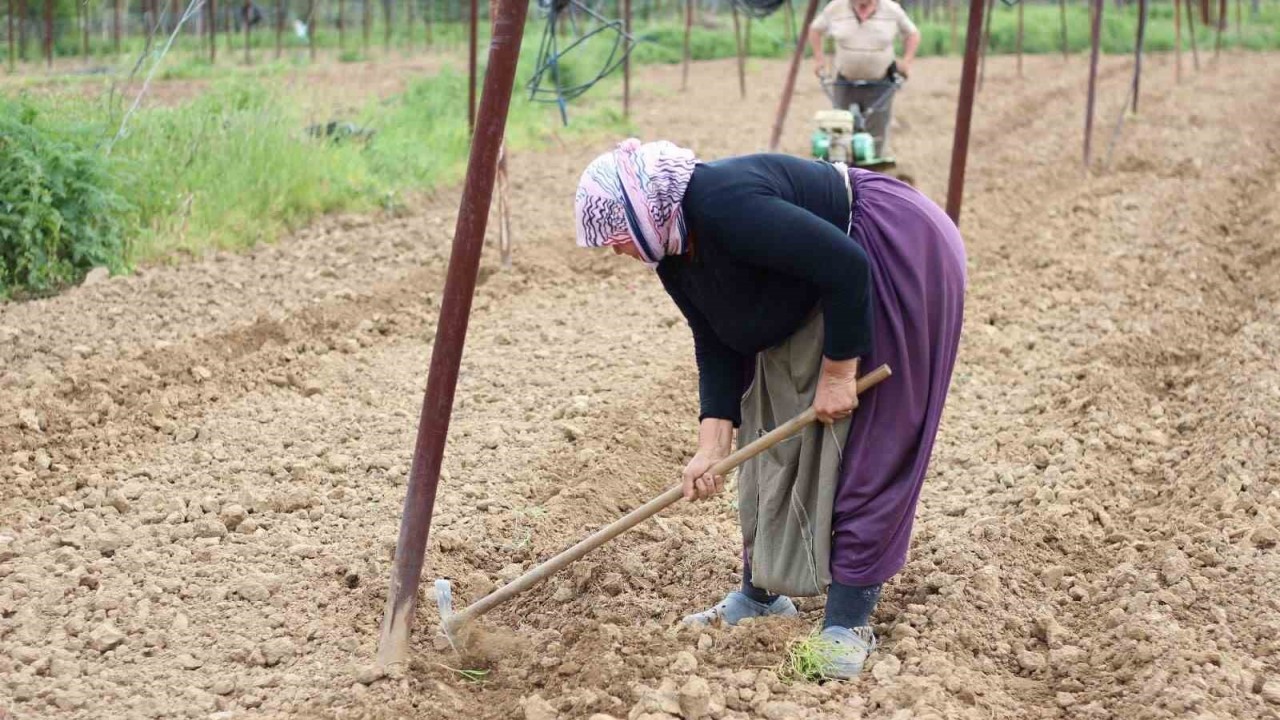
x=644, y=512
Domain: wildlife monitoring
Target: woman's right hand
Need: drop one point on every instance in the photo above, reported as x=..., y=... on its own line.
x=715, y=442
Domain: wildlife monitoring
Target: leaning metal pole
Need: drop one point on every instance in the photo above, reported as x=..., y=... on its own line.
x=789, y=87
x=451, y=331
x=964, y=109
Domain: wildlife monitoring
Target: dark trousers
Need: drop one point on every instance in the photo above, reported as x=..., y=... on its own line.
x=876, y=104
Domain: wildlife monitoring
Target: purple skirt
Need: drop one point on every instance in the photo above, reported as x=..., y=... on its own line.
x=918, y=276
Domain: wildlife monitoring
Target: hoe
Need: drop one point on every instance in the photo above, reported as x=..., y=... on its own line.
x=455, y=624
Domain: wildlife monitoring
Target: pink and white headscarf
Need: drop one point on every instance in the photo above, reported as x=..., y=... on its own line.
x=633, y=194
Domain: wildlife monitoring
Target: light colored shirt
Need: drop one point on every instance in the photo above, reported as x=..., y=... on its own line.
x=864, y=48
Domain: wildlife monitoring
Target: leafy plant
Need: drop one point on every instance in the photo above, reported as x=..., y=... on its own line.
x=60, y=214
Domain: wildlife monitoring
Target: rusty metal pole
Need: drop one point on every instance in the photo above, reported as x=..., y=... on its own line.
x=1137, y=53
x=626, y=61
x=1191, y=31
x=1177, y=40
x=471, y=71
x=789, y=86
x=689, y=30
x=964, y=110
x=742, y=61
x=451, y=331
x=1095, y=47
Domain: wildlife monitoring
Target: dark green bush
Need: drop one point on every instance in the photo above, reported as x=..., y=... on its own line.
x=59, y=213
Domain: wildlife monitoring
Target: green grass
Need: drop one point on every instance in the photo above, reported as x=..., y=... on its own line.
x=475, y=677
x=808, y=658
x=234, y=168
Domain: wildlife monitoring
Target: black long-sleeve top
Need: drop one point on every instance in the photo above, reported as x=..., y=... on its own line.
x=769, y=244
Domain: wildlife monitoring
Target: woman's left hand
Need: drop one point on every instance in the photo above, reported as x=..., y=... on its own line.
x=837, y=395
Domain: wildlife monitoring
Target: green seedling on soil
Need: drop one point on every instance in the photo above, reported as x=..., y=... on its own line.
x=808, y=658
x=472, y=676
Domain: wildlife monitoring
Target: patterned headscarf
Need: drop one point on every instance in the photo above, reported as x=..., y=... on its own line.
x=633, y=194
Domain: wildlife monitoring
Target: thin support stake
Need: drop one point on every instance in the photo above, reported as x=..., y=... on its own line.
x=48, y=33
x=83, y=11
x=1222, y=21
x=986, y=43
x=790, y=12
x=1137, y=53
x=689, y=31
x=1062, y=12
x=213, y=31
x=626, y=61
x=1021, y=4
x=471, y=69
x=1191, y=31
x=955, y=35
x=964, y=110
x=1096, y=43
x=1177, y=40
x=22, y=30
x=789, y=86
x=451, y=331
x=13, y=47
x=742, y=61
x=504, y=210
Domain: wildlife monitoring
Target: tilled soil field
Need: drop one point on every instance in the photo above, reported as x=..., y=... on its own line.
x=202, y=466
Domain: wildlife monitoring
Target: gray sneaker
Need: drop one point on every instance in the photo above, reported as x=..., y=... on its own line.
x=736, y=607
x=849, y=650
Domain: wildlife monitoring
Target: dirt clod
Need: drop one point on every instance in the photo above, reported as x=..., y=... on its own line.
x=105, y=637
x=537, y=708
x=695, y=698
